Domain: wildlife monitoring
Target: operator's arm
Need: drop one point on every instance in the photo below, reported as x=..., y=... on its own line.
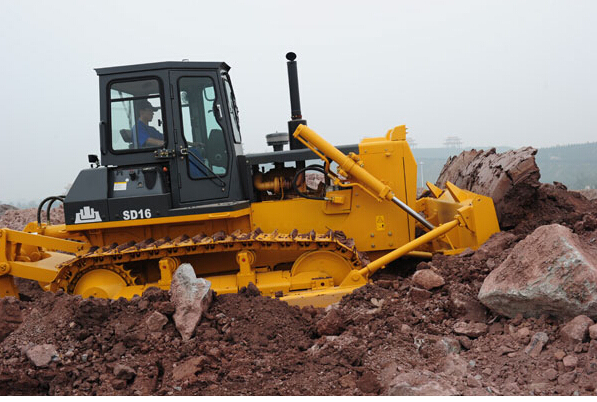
x=153, y=142
x=154, y=138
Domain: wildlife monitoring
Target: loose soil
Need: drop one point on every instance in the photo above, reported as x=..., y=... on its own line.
x=252, y=345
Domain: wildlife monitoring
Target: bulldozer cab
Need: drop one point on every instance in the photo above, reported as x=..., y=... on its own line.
x=178, y=117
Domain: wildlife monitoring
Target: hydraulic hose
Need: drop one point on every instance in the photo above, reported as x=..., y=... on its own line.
x=52, y=199
x=297, y=174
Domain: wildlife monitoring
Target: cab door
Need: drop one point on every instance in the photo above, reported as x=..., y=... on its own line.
x=203, y=147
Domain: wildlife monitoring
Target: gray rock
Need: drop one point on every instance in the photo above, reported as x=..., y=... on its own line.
x=156, y=321
x=567, y=378
x=331, y=324
x=467, y=307
x=540, y=387
x=593, y=331
x=416, y=383
x=191, y=296
x=435, y=345
x=42, y=355
x=536, y=344
x=188, y=368
x=472, y=330
x=449, y=345
x=570, y=361
x=427, y=279
x=549, y=272
x=577, y=330
x=473, y=382
x=454, y=365
x=419, y=295
x=591, y=367
x=551, y=374
x=124, y=372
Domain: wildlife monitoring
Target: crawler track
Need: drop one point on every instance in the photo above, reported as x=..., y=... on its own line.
x=116, y=256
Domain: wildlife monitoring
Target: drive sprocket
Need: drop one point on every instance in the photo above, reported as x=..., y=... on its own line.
x=103, y=281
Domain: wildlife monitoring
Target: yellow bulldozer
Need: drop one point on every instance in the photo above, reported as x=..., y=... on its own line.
x=307, y=225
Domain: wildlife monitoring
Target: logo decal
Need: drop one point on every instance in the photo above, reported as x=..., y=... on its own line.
x=380, y=222
x=87, y=215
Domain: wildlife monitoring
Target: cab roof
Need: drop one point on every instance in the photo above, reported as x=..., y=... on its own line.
x=165, y=65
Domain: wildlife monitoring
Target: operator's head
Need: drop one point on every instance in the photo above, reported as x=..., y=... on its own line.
x=145, y=110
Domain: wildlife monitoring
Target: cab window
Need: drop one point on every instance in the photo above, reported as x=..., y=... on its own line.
x=136, y=115
x=204, y=136
x=232, y=109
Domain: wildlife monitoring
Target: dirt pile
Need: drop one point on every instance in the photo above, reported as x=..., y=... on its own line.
x=378, y=341
x=16, y=219
x=5, y=207
x=110, y=347
x=590, y=194
x=512, y=179
x=415, y=320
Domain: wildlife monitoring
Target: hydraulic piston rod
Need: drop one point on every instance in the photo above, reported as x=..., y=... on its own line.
x=413, y=213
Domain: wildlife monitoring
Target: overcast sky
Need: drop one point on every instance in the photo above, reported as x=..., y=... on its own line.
x=510, y=73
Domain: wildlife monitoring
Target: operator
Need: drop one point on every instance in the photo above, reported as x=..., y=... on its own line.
x=147, y=136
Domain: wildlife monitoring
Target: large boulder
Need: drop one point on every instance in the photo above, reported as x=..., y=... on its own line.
x=191, y=297
x=549, y=272
x=511, y=179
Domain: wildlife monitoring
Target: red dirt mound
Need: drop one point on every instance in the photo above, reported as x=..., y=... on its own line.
x=378, y=340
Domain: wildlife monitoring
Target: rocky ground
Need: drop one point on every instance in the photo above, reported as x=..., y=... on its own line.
x=420, y=328
x=16, y=219
x=590, y=194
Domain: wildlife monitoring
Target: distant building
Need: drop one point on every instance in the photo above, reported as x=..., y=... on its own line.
x=453, y=142
x=411, y=142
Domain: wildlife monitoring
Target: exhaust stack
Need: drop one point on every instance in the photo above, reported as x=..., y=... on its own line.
x=295, y=102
